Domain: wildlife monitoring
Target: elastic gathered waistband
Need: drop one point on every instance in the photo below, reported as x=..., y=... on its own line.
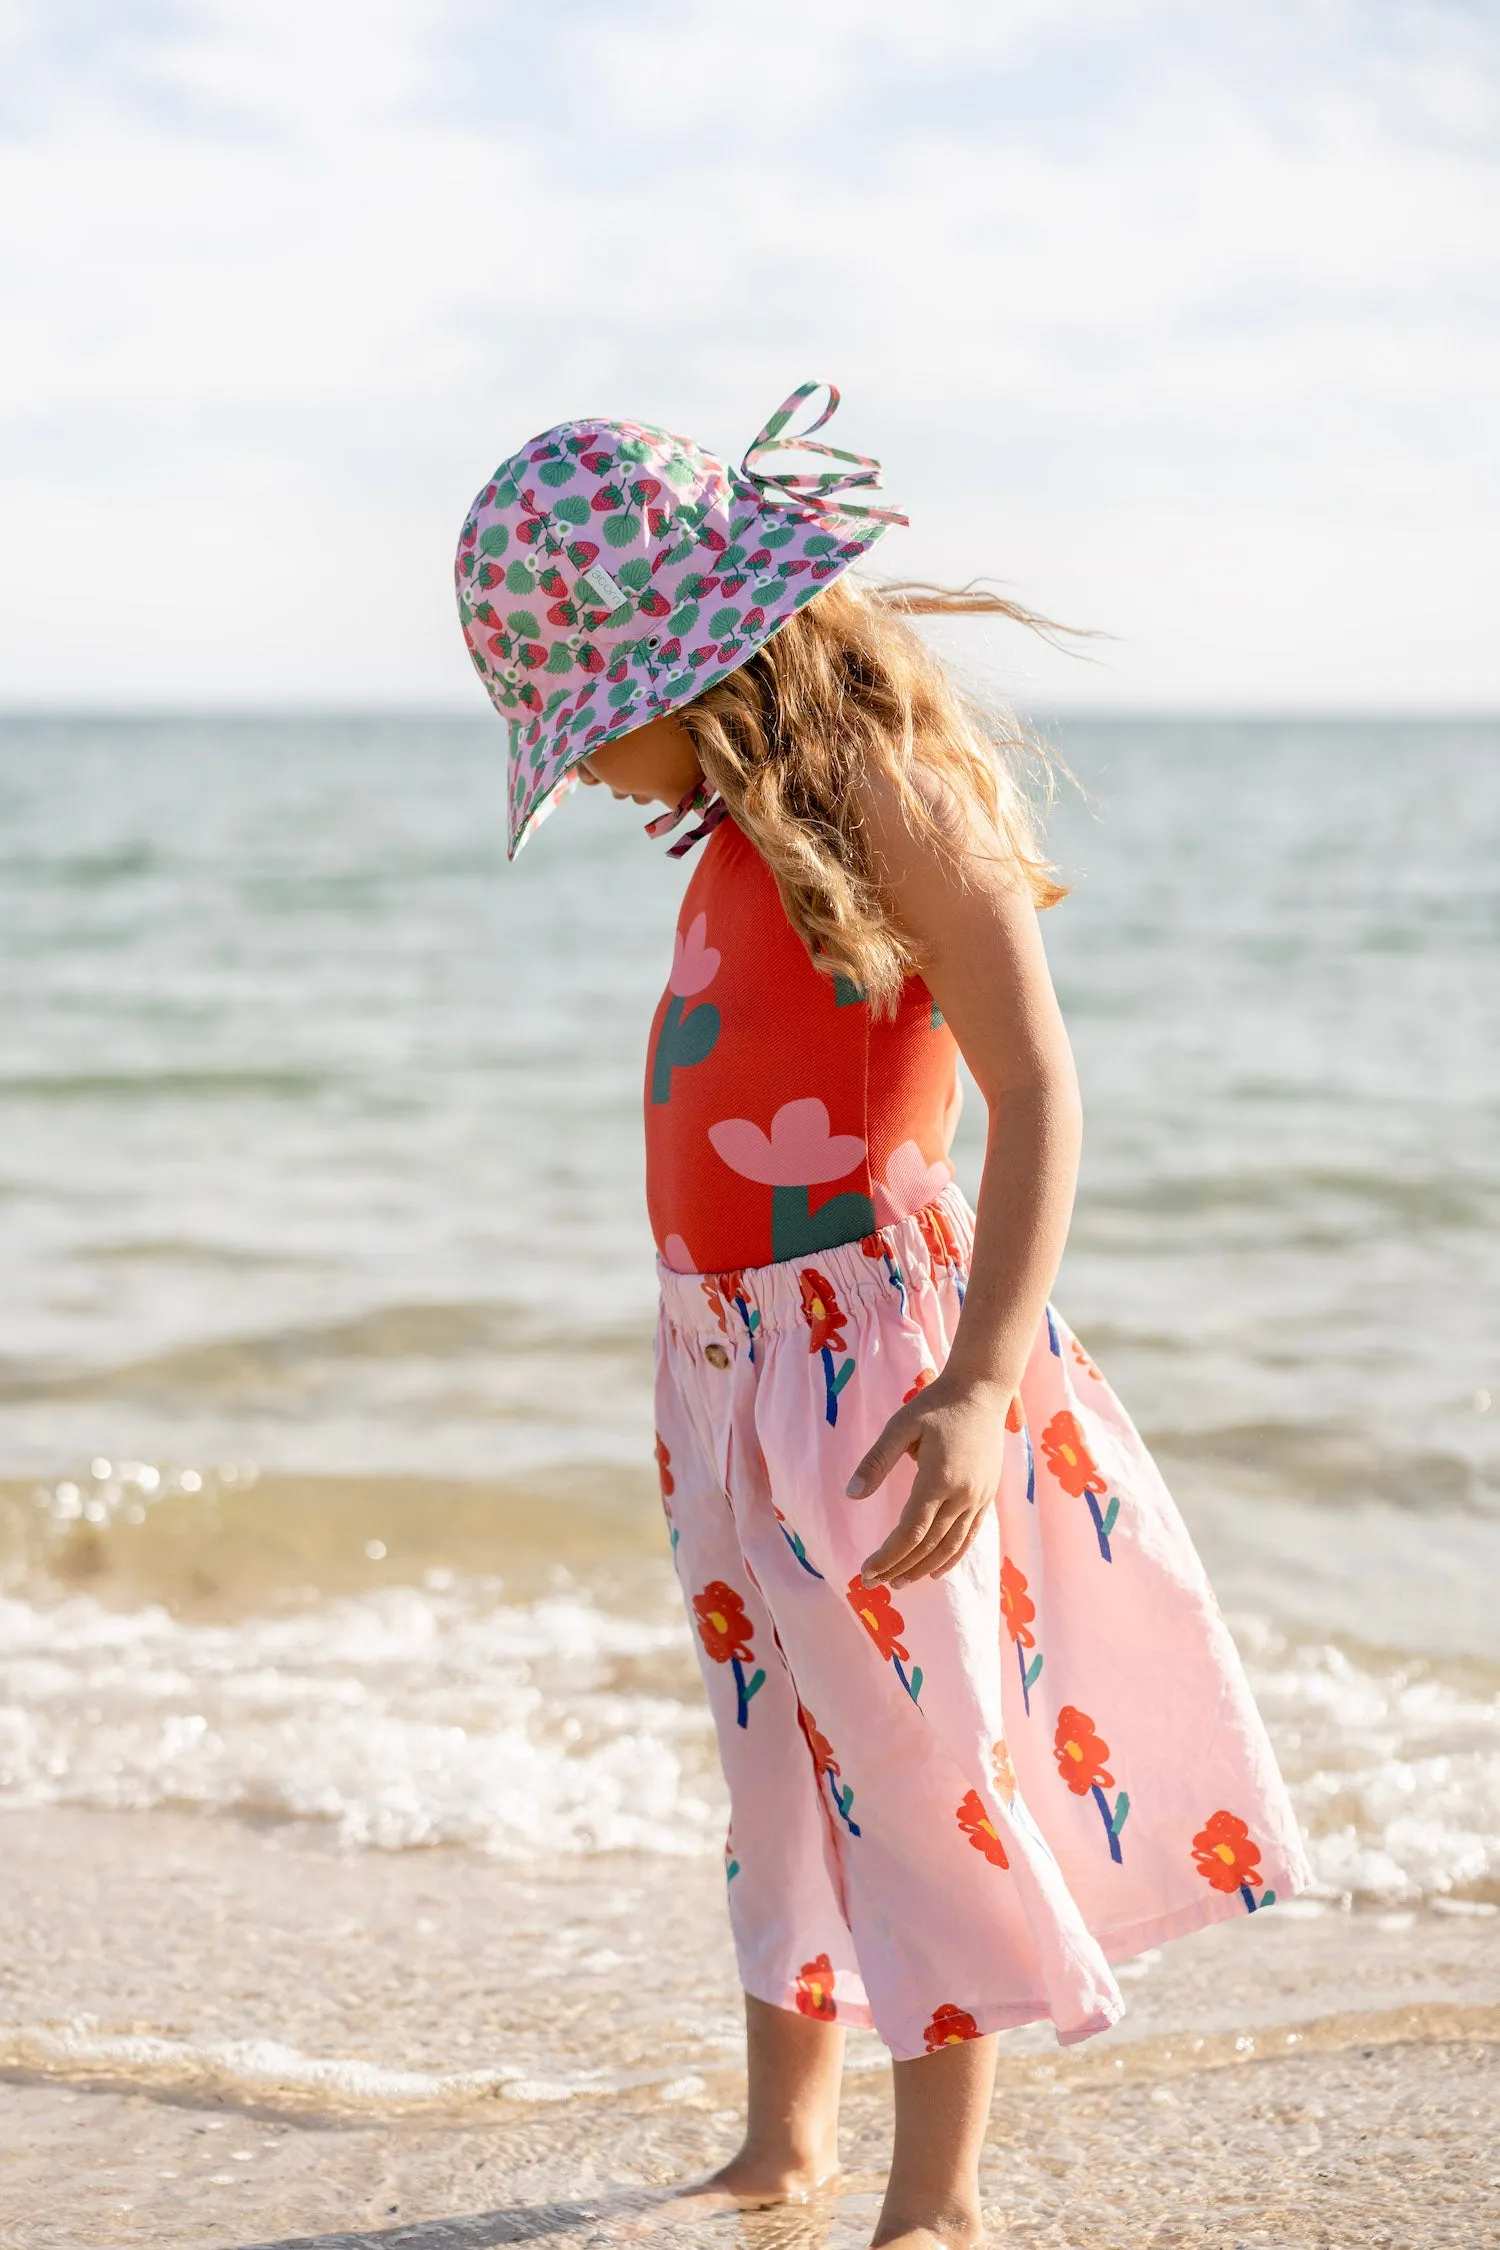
x=939, y=1236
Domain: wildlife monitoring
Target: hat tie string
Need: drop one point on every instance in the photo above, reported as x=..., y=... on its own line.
x=820, y=490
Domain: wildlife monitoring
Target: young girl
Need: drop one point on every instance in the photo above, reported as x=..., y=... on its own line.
x=982, y=1725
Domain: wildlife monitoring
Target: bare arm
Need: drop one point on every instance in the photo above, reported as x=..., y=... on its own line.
x=984, y=963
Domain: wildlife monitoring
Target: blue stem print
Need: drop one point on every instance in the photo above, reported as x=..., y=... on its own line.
x=1113, y=1818
x=744, y=1689
x=1052, y=1336
x=843, y=1800
x=751, y=1320
x=1030, y=1674
x=912, y=1682
x=833, y=1382
x=1103, y=1524
x=794, y=1541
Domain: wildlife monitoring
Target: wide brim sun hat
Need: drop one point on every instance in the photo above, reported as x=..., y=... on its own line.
x=609, y=573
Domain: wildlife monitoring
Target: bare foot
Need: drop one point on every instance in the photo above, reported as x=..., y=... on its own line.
x=749, y=2183
x=956, y=2230
x=745, y=2183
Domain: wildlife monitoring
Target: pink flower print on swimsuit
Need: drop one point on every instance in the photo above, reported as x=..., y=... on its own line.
x=798, y=1154
x=684, y=1039
x=909, y=1183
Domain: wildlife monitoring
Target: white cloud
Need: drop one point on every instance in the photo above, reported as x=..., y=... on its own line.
x=1183, y=319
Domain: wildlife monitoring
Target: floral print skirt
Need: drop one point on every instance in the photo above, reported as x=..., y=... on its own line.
x=952, y=1805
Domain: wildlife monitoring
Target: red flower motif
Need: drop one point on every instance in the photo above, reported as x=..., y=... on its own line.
x=823, y=1758
x=664, y=1467
x=1013, y=1421
x=924, y=1377
x=731, y=1285
x=1083, y=1360
x=884, y=1623
x=1226, y=1854
x=1069, y=1458
x=710, y=1287
x=723, y=1627
x=938, y=1234
x=980, y=1830
x=1081, y=1754
x=949, y=2026
x=820, y=1309
x=815, y=1989
x=1016, y=1605
x=874, y=1246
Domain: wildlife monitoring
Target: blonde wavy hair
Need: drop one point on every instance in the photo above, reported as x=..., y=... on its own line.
x=845, y=688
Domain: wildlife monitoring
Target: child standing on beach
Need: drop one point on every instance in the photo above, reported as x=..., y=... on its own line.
x=983, y=1728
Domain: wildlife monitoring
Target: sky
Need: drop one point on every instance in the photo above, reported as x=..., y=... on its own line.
x=1177, y=321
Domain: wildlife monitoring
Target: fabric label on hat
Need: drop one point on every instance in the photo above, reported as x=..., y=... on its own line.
x=596, y=579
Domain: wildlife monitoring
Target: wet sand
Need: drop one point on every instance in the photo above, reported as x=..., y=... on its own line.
x=217, y=2035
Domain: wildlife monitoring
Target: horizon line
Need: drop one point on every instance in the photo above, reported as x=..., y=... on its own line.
x=1064, y=713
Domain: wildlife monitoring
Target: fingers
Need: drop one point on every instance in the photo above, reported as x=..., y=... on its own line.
x=896, y=1438
x=906, y=1535
x=945, y=1537
x=942, y=1570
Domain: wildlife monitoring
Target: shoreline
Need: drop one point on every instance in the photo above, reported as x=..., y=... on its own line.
x=213, y=2033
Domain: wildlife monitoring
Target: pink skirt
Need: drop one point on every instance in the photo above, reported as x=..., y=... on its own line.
x=954, y=1804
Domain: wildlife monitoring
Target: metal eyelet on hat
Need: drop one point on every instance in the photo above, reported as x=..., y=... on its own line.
x=716, y=1355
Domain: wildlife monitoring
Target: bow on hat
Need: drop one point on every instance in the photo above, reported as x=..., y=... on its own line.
x=808, y=488
x=821, y=490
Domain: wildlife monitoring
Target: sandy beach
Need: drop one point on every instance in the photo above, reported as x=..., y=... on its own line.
x=218, y=2035
x=361, y=1823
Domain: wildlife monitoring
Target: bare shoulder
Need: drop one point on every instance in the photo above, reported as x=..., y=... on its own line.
x=936, y=852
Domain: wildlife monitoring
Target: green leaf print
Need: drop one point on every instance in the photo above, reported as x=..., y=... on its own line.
x=519, y=579
x=495, y=540
x=820, y=545
x=634, y=449
x=681, y=1042
x=521, y=621
x=636, y=574
x=571, y=508
x=560, y=657
x=796, y=1231
x=622, y=529
x=778, y=535
x=555, y=473
x=683, y=619
x=623, y=694
x=723, y=621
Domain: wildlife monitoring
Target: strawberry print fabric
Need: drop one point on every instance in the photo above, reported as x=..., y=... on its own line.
x=954, y=1803
x=782, y=1117
x=610, y=572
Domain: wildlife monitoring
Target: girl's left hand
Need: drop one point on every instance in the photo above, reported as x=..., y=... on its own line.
x=956, y=1436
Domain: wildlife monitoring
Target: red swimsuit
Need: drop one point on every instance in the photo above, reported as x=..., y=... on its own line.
x=782, y=1118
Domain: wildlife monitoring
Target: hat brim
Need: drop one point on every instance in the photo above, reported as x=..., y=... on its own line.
x=558, y=752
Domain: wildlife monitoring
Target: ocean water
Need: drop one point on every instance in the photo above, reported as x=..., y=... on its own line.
x=325, y=1487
